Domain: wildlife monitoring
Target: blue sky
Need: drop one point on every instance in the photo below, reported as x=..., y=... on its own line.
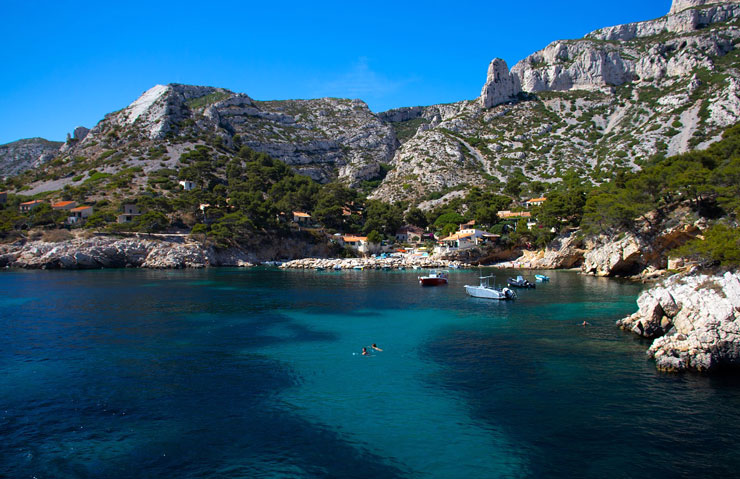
x=69, y=63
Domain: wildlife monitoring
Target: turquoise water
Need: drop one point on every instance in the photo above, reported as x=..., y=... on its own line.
x=258, y=373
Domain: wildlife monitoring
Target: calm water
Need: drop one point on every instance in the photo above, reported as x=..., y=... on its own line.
x=257, y=373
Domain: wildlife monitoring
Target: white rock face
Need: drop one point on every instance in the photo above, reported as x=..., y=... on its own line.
x=500, y=85
x=695, y=319
x=680, y=5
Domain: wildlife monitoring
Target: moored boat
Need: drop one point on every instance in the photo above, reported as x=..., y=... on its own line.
x=434, y=278
x=541, y=277
x=520, y=282
x=487, y=291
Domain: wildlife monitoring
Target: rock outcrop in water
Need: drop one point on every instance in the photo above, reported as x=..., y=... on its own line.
x=695, y=321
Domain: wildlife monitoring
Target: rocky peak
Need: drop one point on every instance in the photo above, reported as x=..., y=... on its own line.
x=22, y=155
x=681, y=5
x=501, y=86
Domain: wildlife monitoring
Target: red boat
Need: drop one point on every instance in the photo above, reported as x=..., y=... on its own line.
x=434, y=278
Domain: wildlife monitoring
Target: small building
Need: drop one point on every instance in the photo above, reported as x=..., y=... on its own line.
x=130, y=212
x=63, y=205
x=301, y=218
x=187, y=185
x=464, y=239
x=409, y=234
x=79, y=214
x=3, y=197
x=358, y=243
x=506, y=214
x=29, y=205
x=535, y=202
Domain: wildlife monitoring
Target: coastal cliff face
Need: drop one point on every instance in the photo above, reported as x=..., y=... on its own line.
x=695, y=321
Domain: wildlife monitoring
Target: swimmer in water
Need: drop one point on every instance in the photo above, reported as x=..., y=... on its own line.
x=365, y=352
x=375, y=347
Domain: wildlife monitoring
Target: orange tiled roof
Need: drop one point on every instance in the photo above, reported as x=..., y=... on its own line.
x=352, y=239
x=32, y=202
x=62, y=204
x=537, y=200
x=80, y=208
x=301, y=214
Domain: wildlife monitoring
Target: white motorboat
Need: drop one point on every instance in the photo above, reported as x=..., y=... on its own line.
x=488, y=291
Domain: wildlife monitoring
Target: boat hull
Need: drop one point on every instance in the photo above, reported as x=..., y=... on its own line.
x=489, y=293
x=432, y=281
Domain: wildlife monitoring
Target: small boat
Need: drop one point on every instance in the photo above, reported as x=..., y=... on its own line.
x=485, y=290
x=541, y=277
x=434, y=278
x=520, y=282
x=337, y=267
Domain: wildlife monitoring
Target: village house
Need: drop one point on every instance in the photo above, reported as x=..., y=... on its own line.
x=358, y=243
x=535, y=202
x=3, y=197
x=464, y=239
x=129, y=213
x=301, y=218
x=29, y=205
x=506, y=214
x=63, y=205
x=187, y=185
x=79, y=214
x=409, y=234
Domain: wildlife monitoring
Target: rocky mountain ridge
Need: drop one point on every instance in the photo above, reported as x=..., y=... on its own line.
x=610, y=100
x=21, y=155
x=592, y=106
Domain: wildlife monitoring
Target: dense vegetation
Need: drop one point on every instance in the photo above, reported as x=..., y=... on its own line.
x=241, y=194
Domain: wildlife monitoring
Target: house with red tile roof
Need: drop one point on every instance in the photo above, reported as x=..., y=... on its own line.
x=29, y=205
x=79, y=214
x=63, y=205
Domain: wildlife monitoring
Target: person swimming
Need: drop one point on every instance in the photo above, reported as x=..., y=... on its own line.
x=365, y=352
x=375, y=347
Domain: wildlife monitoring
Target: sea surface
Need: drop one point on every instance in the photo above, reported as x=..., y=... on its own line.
x=257, y=373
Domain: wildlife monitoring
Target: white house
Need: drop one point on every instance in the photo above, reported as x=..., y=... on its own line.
x=535, y=202
x=464, y=239
x=187, y=185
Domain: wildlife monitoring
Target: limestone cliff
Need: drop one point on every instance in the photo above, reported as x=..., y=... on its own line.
x=324, y=138
x=22, y=155
x=696, y=320
x=612, y=99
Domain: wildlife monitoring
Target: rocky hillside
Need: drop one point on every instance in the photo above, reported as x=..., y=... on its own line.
x=590, y=107
x=609, y=100
x=21, y=155
x=325, y=139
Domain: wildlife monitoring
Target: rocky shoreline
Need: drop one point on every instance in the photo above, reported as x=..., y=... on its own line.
x=694, y=321
x=394, y=262
x=107, y=252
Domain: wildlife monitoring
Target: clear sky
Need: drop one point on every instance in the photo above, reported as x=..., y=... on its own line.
x=65, y=64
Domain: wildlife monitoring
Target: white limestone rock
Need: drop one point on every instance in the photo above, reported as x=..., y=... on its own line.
x=500, y=86
x=700, y=322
